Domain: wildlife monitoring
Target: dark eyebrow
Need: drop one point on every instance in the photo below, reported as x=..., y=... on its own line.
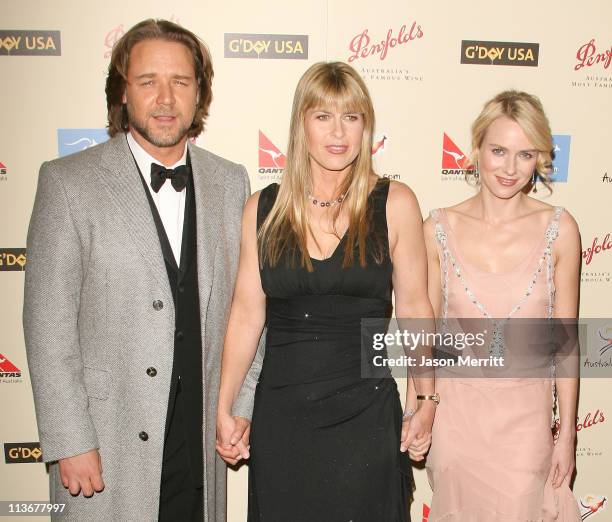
x=145, y=75
x=153, y=75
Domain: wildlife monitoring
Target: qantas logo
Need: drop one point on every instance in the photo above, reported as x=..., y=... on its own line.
x=8, y=369
x=452, y=156
x=269, y=155
x=455, y=163
x=426, y=510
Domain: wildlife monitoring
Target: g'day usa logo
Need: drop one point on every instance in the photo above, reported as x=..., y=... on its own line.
x=70, y=141
x=8, y=370
x=32, y=43
x=12, y=259
x=499, y=53
x=266, y=46
x=3, y=172
x=455, y=164
x=22, y=452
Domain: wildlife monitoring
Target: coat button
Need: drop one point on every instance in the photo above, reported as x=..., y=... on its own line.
x=179, y=335
x=181, y=289
x=151, y=372
x=158, y=305
x=144, y=436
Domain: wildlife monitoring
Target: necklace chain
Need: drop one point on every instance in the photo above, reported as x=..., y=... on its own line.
x=330, y=203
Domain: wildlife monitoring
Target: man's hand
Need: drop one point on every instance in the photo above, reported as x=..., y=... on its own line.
x=416, y=431
x=82, y=473
x=233, y=438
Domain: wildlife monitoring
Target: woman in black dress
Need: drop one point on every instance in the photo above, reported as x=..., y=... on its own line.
x=319, y=252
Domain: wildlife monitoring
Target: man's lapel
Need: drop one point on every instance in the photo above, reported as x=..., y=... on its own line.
x=209, y=199
x=127, y=192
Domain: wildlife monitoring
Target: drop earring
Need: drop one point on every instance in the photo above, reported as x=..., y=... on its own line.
x=534, y=179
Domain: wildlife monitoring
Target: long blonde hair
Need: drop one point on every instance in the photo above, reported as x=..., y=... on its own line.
x=526, y=110
x=286, y=228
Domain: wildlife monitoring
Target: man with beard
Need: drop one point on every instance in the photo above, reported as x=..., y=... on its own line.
x=132, y=256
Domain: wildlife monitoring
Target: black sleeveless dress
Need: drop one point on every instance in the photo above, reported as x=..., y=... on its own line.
x=325, y=441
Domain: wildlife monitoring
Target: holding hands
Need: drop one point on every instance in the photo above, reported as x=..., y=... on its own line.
x=232, y=438
x=416, y=431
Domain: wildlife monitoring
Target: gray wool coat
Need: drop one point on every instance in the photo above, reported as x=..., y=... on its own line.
x=95, y=267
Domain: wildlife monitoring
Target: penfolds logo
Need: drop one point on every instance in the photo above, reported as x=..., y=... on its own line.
x=588, y=56
x=111, y=38
x=361, y=45
x=115, y=34
x=596, y=248
x=589, y=420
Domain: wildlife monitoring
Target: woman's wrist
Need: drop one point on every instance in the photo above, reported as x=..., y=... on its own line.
x=426, y=405
x=567, y=434
x=224, y=407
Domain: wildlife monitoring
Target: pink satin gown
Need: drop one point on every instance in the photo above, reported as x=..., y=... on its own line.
x=492, y=442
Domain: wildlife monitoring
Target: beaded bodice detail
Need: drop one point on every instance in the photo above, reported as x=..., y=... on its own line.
x=450, y=265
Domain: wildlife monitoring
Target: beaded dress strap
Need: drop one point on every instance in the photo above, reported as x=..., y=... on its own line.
x=552, y=231
x=440, y=235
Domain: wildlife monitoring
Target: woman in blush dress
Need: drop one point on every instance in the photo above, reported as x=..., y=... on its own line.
x=322, y=250
x=505, y=255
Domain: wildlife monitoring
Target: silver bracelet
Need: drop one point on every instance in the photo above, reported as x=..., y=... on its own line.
x=408, y=413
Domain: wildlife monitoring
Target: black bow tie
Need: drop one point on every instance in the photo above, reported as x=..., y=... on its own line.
x=178, y=176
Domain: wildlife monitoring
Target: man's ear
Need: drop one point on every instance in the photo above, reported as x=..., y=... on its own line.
x=123, y=98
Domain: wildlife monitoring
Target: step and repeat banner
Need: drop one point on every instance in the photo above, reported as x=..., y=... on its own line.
x=429, y=66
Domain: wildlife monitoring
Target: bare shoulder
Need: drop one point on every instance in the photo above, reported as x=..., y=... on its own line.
x=544, y=211
x=401, y=198
x=568, y=227
x=250, y=207
x=401, y=191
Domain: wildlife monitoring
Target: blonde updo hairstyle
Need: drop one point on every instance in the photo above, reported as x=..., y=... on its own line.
x=526, y=110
